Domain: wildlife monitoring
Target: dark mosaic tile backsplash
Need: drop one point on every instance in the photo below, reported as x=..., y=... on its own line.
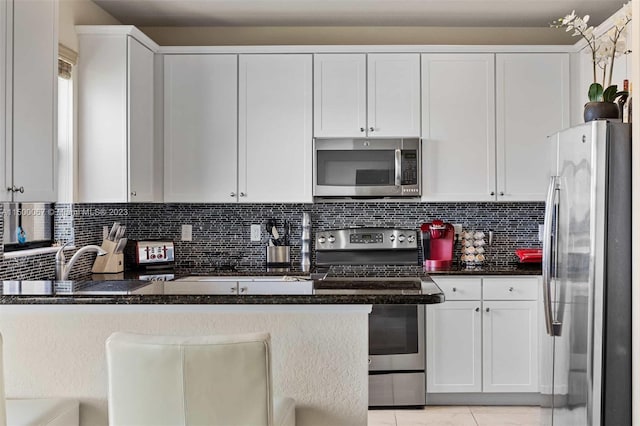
x=221, y=232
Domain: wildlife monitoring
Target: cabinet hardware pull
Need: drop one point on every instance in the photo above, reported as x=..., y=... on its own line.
x=133, y=193
x=16, y=189
x=454, y=289
x=242, y=194
x=477, y=309
x=233, y=289
x=487, y=309
x=510, y=288
x=492, y=193
x=371, y=129
x=362, y=129
x=10, y=189
x=233, y=194
x=501, y=194
x=243, y=289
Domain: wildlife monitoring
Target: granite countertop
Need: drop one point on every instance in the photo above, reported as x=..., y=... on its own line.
x=125, y=292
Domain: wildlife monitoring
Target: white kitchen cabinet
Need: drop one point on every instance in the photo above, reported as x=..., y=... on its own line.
x=275, y=128
x=29, y=97
x=367, y=95
x=484, y=341
x=454, y=347
x=458, y=127
x=118, y=157
x=510, y=350
x=200, y=128
x=275, y=287
x=340, y=95
x=532, y=102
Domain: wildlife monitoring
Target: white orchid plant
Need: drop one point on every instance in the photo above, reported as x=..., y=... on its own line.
x=604, y=50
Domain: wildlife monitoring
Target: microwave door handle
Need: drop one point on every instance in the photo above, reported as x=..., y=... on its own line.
x=398, y=167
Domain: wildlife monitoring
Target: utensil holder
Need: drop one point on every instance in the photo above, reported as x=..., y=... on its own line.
x=110, y=263
x=278, y=256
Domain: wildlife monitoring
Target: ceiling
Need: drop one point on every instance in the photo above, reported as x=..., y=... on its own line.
x=430, y=13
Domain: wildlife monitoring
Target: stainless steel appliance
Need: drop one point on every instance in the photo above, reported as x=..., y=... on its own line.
x=396, y=332
x=367, y=168
x=586, y=370
x=27, y=225
x=154, y=260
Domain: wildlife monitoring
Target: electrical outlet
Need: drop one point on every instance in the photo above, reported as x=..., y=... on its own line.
x=256, y=233
x=187, y=233
x=457, y=228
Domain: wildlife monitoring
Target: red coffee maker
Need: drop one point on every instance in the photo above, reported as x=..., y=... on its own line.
x=437, y=245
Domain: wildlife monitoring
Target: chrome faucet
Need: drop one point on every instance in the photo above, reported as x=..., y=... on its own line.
x=63, y=268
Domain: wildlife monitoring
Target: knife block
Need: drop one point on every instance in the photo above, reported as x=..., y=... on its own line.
x=110, y=263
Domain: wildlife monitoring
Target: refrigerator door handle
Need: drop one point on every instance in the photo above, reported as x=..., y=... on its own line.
x=546, y=255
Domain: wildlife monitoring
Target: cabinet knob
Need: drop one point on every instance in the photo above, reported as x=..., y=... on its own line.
x=454, y=289
x=510, y=288
x=16, y=189
x=492, y=193
x=477, y=309
x=242, y=194
x=243, y=289
x=371, y=129
x=362, y=129
x=233, y=194
x=21, y=189
x=233, y=289
x=133, y=193
x=501, y=194
x=487, y=310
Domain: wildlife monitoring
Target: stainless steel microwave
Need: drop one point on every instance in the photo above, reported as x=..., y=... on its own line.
x=366, y=168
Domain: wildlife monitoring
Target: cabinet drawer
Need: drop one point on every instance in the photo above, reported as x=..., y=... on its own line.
x=510, y=288
x=459, y=288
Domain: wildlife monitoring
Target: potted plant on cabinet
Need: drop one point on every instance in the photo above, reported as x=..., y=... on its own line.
x=604, y=51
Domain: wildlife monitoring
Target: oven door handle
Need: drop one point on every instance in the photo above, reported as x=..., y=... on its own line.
x=398, y=162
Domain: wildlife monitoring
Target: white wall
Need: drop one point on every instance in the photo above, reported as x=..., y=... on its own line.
x=221, y=36
x=79, y=12
x=319, y=352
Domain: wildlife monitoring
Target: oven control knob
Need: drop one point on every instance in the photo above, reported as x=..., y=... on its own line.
x=321, y=239
x=411, y=238
x=401, y=238
x=331, y=239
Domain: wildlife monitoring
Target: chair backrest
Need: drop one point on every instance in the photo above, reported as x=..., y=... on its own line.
x=3, y=404
x=175, y=380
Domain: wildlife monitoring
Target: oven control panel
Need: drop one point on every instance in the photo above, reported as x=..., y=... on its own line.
x=366, y=239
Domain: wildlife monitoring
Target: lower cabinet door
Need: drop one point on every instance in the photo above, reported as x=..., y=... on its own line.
x=454, y=347
x=510, y=350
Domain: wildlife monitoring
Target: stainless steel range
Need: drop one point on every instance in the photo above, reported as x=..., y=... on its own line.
x=396, y=332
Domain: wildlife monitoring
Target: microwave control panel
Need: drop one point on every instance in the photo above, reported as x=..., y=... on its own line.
x=409, y=167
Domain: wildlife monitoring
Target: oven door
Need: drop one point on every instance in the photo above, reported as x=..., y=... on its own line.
x=366, y=167
x=396, y=338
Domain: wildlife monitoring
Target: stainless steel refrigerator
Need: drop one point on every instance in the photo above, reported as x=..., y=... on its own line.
x=586, y=354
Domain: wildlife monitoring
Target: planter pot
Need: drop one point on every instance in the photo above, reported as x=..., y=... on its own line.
x=600, y=110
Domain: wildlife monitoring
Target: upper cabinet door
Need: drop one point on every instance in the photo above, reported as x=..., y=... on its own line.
x=200, y=128
x=393, y=82
x=275, y=122
x=532, y=102
x=35, y=82
x=5, y=141
x=141, y=137
x=340, y=95
x=458, y=127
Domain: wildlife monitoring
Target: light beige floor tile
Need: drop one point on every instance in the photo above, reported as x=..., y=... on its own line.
x=381, y=418
x=448, y=409
x=504, y=409
x=511, y=419
x=434, y=418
